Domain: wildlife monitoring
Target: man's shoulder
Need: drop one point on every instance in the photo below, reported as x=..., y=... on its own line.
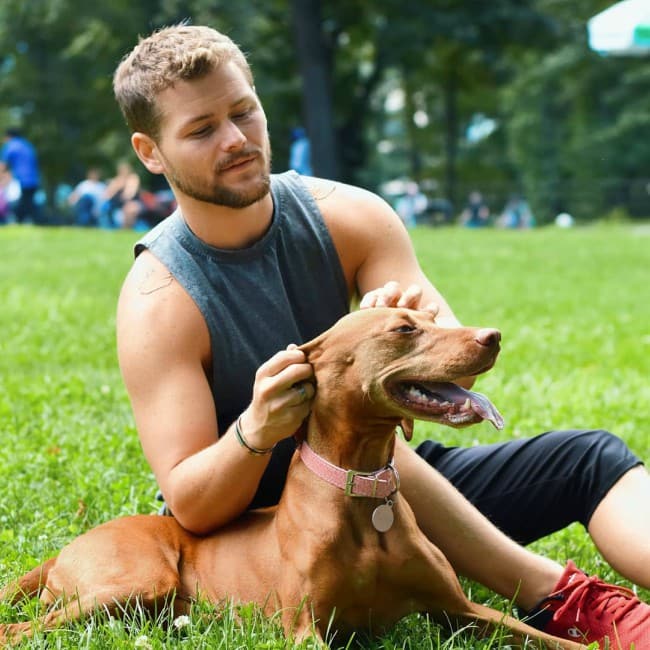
x=321, y=188
x=355, y=217
x=148, y=274
x=342, y=200
x=156, y=318
x=152, y=296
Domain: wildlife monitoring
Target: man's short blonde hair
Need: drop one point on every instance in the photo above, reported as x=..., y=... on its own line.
x=171, y=54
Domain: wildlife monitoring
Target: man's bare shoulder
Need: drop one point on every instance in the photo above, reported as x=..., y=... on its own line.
x=353, y=214
x=350, y=209
x=360, y=223
x=153, y=306
x=333, y=195
x=148, y=284
x=148, y=275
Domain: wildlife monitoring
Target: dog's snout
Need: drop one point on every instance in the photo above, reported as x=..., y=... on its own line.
x=489, y=337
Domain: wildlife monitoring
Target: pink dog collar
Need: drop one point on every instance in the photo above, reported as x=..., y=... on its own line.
x=379, y=484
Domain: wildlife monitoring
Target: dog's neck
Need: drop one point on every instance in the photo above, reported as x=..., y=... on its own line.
x=380, y=484
x=350, y=444
x=343, y=427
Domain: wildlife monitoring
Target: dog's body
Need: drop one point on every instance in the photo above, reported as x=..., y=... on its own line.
x=317, y=555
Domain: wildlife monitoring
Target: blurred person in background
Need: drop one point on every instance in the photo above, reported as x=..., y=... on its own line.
x=87, y=197
x=19, y=155
x=411, y=205
x=9, y=194
x=516, y=214
x=300, y=152
x=476, y=213
x=122, y=201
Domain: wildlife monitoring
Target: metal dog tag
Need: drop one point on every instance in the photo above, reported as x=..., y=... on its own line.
x=382, y=517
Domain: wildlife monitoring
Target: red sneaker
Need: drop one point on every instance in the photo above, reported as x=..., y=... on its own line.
x=586, y=609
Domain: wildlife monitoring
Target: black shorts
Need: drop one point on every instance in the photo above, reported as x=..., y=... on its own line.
x=532, y=487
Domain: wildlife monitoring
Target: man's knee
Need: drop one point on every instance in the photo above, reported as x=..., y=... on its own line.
x=601, y=459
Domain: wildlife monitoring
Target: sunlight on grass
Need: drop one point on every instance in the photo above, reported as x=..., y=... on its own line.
x=572, y=306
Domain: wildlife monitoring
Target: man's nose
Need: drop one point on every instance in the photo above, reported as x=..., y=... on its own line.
x=232, y=136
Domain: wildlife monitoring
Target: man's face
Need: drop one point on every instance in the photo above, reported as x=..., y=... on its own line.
x=213, y=142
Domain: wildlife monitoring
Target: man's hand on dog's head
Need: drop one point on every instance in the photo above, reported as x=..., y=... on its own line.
x=392, y=295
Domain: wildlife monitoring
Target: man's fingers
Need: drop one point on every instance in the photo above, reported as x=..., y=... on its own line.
x=389, y=294
x=301, y=392
x=281, y=360
x=432, y=307
x=386, y=296
x=392, y=295
x=369, y=300
x=411, y=297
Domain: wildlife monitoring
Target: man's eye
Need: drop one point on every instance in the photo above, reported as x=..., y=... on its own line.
x=243, y=114
x=202, y=132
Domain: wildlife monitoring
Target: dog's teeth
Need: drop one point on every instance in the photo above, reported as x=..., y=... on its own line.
x=467, y=404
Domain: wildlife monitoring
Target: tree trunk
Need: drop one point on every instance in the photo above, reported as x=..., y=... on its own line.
x=450, y=94
x=314, y=58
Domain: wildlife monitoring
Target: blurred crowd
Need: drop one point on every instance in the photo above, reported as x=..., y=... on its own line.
x=416, y=207
x=116, y=202
x=120, y=201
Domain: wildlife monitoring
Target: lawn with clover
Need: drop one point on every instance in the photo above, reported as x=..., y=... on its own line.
x=573, y=307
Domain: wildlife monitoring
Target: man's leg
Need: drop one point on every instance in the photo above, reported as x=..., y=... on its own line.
x=473, y=545
x=620, y=526
x=532, y=487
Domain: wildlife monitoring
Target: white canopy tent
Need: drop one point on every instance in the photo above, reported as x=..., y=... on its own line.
x=623, y=29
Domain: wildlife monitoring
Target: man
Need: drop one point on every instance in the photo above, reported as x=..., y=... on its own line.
x=250, y=265
x=19, y=156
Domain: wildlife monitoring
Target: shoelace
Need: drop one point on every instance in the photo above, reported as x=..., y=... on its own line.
x=617, y=601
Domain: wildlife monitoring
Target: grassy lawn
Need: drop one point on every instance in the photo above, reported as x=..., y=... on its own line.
x=573, y=308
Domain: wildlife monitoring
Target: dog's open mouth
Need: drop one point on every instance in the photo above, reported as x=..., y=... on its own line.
x=446, y=403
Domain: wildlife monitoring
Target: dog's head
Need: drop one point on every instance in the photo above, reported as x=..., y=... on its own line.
x=388, y=363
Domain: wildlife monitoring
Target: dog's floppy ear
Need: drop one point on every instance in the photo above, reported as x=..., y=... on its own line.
x=406, y=425
x=312, y=349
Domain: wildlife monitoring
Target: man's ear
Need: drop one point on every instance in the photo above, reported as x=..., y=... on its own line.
x=147, y=151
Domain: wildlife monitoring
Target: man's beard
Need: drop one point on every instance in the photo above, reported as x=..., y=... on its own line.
x=222, y=195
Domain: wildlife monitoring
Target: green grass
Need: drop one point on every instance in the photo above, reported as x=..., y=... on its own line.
x=572, y=306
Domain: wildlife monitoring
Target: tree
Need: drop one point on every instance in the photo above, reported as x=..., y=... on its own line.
x=575, y=121
x=568, y=121
x=315, y=63
x=57, y=84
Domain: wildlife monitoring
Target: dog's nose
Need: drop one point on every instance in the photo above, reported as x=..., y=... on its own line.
x=488, y=336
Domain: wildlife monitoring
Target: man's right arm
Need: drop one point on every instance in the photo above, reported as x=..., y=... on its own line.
x=164, y=354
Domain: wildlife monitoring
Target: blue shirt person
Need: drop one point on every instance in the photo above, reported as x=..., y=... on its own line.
x=19, y=155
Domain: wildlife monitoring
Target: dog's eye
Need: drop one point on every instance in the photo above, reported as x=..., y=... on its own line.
x=404, y=329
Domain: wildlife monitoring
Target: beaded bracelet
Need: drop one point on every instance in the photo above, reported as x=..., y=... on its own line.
x=249, y=448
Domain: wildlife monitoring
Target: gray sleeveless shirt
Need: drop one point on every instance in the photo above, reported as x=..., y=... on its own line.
x=288, y=287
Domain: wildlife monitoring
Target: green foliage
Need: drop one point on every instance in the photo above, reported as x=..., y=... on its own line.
x=575, y=122
x=575, y=353
x=570, y=123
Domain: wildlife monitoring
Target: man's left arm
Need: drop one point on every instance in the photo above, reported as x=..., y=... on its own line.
x=377, y=254
x=378, y=257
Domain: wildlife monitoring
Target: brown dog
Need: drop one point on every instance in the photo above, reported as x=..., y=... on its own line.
x=343, y=547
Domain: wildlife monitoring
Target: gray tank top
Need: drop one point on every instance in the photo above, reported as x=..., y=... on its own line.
x=288, y=287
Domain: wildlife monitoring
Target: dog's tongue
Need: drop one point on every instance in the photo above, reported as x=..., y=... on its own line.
x=478, y=402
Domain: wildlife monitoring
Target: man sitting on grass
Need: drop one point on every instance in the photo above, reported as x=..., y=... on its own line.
x=252, y=263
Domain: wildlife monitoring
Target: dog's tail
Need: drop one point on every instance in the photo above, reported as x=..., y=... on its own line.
x=29, y=585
